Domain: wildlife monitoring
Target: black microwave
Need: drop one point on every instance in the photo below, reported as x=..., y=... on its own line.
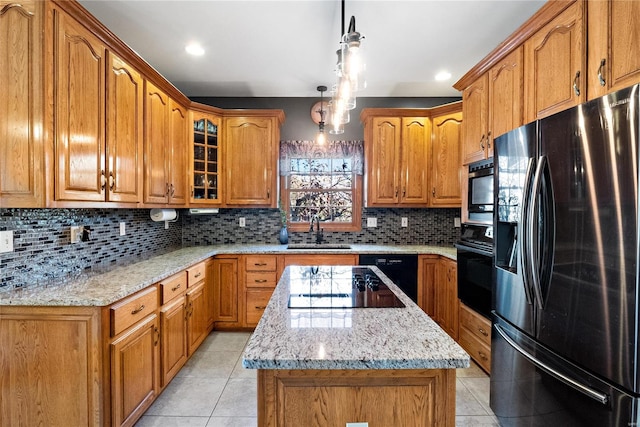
x=480, y=185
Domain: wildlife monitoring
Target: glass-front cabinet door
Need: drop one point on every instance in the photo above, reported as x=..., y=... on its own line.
x=205, y=180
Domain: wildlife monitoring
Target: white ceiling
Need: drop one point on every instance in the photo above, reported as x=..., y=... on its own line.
x=265, y=48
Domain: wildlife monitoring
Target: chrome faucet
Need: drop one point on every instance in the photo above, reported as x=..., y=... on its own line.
x=319, y=231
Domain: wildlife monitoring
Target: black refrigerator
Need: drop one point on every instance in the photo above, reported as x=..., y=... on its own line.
x=566, y=319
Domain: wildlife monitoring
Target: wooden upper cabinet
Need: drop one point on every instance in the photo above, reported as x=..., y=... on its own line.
x=555, y=58
x=156, y=125
x=251, y=153
x=475, y=112
x=205, y=157
x=79, y=94
x=383, y=160
x=21, y=104
x=505, y=96
x=445, y=160
x=177, y=160
x=124, y=132
x=414, y=179
x=614, y=46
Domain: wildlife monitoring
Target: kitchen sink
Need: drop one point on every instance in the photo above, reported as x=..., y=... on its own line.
x=318, y=246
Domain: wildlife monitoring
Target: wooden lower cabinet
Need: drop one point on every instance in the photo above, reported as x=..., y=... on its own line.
x=256, y=302
x=225, y=293
x=381, y=398
x=173, y=325
x=446, y=296
x=197, y=305
x=260, y=275
x=135, y=371
x=426, y=283
x=474, y=336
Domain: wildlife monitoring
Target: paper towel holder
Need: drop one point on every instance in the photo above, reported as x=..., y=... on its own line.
x=164, y=215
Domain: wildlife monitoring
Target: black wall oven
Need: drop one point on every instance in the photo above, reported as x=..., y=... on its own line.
x=475, y=267
x=480, y=196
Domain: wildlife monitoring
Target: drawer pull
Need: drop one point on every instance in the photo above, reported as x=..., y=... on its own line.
x=260, y=264
x=260, y=307
x=157, y=334
x=482, y=355
x=260, y=280
x=198, y=275
x=175, y=288
x=483, y=332
x=138, y=310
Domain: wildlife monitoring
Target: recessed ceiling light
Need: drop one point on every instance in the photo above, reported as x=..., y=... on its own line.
x=194, y=49
x=443, y=76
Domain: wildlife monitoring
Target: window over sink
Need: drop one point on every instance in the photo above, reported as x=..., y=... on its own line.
x=323, y=180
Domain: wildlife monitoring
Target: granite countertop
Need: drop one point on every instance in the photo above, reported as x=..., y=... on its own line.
x=359, y=338
x=102, y=289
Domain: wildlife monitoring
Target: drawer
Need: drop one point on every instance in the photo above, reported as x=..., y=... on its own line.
x=479, y=351
x=260, y=263
x=259, y=279
x=196, y=274
x=133, y=309
x=256, y=303
x=476, y=324
x=173, y=286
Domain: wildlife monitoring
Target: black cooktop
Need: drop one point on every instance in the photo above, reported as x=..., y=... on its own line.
x=339, y=287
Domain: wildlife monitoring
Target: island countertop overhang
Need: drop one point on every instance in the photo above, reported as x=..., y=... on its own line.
x=360, y=338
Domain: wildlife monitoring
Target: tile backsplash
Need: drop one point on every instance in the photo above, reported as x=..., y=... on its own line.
x=43, y=252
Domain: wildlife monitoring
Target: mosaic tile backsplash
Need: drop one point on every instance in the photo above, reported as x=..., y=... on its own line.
x=43, y=252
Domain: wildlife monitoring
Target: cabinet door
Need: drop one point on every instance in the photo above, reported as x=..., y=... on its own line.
x=135, y=368
x=554, y=60
x=79, y=87
x=205, y=154
x=173, y=325
x=177, y=160
x=383, y=151
x=124, y=132
x=414, y=185
x=506, y=89
x=196, y=317
x=256, y=302
x=250, y=158
x=209, y=293
x=225, y=290
x=156, y=113
x=614, y=46
x=426, y=284
x=21, y=102
x=475, y=111
x=446, y=296
x=445, y=160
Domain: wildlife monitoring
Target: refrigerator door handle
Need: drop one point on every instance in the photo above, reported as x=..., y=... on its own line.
x=531, y=239
x=524, y=234
x=584, y=389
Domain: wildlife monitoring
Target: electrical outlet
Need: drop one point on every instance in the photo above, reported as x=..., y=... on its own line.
x=123, y=229
x=242, y=222
x=404, y=222
x=6, y=241
x=456, y=222
x=372, y=222
x=76, y=233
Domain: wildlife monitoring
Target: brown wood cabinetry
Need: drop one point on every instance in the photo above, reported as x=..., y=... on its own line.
x=21, y=102
x=474, y=109
x=445, y=159
x=446, y=296
x=260, y=279
x=135, y=371
x=397, y=154
x=251, y=156
x=555, y=64
x=475, y=336
x=196, y=316
x=173, y=326
x=613, y=58
x=225, y=293
x=164, y=148
x=506, y=88
x=205, y=155
x=426, y=283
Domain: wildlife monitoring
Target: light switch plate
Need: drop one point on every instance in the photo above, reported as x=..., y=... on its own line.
x=456, y=222
x=76, y=233
x=404, y=222
x=242, y=222
x=6, y=241
x=123, y=229
x=372, y=222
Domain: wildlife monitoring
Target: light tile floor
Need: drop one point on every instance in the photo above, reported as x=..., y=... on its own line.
x=214, y=390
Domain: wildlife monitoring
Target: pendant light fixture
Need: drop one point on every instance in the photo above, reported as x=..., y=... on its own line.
x=349, y=71
x=321, y=138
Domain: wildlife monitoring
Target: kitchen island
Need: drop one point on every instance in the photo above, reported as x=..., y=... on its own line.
x=332, y=366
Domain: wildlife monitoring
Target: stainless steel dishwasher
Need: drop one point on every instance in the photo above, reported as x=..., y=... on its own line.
x=402, y=269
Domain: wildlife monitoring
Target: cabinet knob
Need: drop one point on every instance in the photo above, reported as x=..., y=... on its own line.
x=489, y=140
x=576, y=89
x=433, y=192
x=601, y=79
x=157, y=334
x=482, y=143
x=112, y=181
x=483, y=332
x=103, y=180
